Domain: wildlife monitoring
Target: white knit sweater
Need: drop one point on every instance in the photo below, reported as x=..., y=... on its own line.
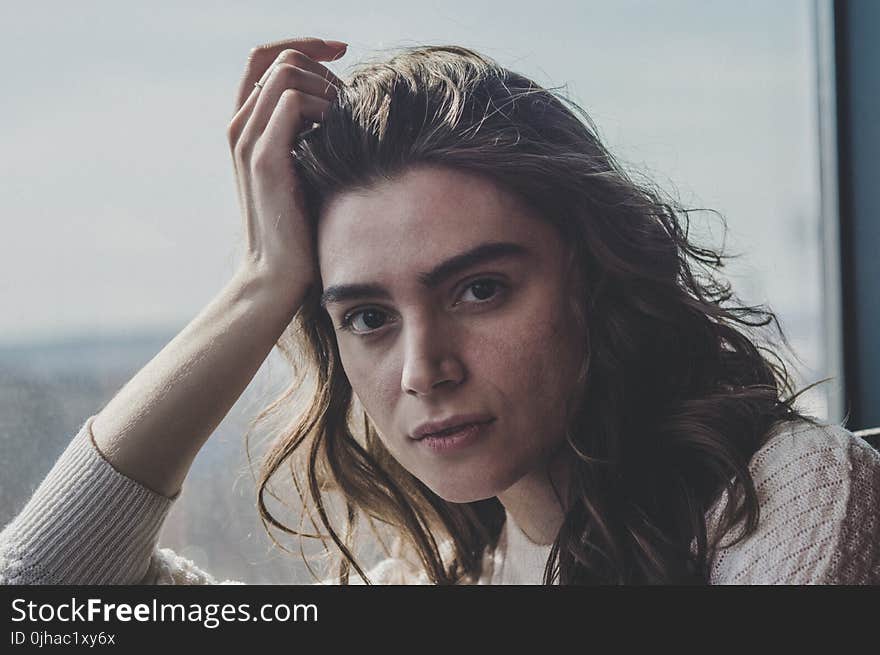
x=819, y=494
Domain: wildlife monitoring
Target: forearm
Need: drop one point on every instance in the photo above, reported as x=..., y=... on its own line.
x=153, y=428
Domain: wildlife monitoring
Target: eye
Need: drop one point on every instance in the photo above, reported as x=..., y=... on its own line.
x=372, y=318
x=484, y=289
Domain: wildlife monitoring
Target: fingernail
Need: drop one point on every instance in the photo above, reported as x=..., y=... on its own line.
x=338, y=44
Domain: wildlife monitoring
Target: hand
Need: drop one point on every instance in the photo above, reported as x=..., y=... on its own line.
x=295, y=93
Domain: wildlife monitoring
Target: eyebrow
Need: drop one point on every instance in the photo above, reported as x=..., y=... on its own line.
x=481, y=254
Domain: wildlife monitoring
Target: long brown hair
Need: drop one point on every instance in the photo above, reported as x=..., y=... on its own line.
x=675, y=394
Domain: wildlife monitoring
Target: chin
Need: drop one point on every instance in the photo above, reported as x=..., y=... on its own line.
x=462, y=499
x=462, y=494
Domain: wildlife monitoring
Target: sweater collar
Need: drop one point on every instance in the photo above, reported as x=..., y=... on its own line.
x=522, y=560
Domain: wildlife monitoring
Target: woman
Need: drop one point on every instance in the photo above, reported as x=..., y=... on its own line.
x=523, y=368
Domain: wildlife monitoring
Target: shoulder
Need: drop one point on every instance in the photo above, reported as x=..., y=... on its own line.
x=818, y=491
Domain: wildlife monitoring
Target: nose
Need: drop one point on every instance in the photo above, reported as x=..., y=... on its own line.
x=429, y=360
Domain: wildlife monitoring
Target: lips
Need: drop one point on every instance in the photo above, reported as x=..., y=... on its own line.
x=449, y=424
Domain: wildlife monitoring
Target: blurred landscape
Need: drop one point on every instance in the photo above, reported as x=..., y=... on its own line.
x=48, y=391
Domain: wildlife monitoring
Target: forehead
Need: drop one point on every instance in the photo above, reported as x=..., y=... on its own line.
x=426, y=215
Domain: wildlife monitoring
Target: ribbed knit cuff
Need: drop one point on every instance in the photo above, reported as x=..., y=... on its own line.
x=86, y=523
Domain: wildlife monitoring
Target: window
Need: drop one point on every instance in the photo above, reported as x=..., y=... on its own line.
x=121, y=218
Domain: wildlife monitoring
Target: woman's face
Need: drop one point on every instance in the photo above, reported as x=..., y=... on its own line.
x=455, y=299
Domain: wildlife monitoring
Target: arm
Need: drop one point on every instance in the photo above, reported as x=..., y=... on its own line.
x=153, y=428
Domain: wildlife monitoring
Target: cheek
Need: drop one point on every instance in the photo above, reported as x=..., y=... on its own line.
x=534, y=365
x=512, y=357
x=535, y=344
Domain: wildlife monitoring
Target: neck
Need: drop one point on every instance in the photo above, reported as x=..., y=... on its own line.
x=532, y=503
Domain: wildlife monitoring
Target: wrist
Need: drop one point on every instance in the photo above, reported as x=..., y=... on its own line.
x=270, y=287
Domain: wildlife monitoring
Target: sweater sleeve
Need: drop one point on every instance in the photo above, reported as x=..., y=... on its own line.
x=819, y=494
x=86, y=523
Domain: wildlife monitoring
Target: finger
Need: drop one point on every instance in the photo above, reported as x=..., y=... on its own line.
x=302, y=60
x=256, y=112
x=292, y=114
x=294, y=57
x=288, y=56
x=261, y=57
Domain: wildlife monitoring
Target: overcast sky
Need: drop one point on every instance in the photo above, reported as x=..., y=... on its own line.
x=119, y=209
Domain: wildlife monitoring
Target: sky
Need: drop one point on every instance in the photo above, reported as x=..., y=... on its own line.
x=118, y=209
